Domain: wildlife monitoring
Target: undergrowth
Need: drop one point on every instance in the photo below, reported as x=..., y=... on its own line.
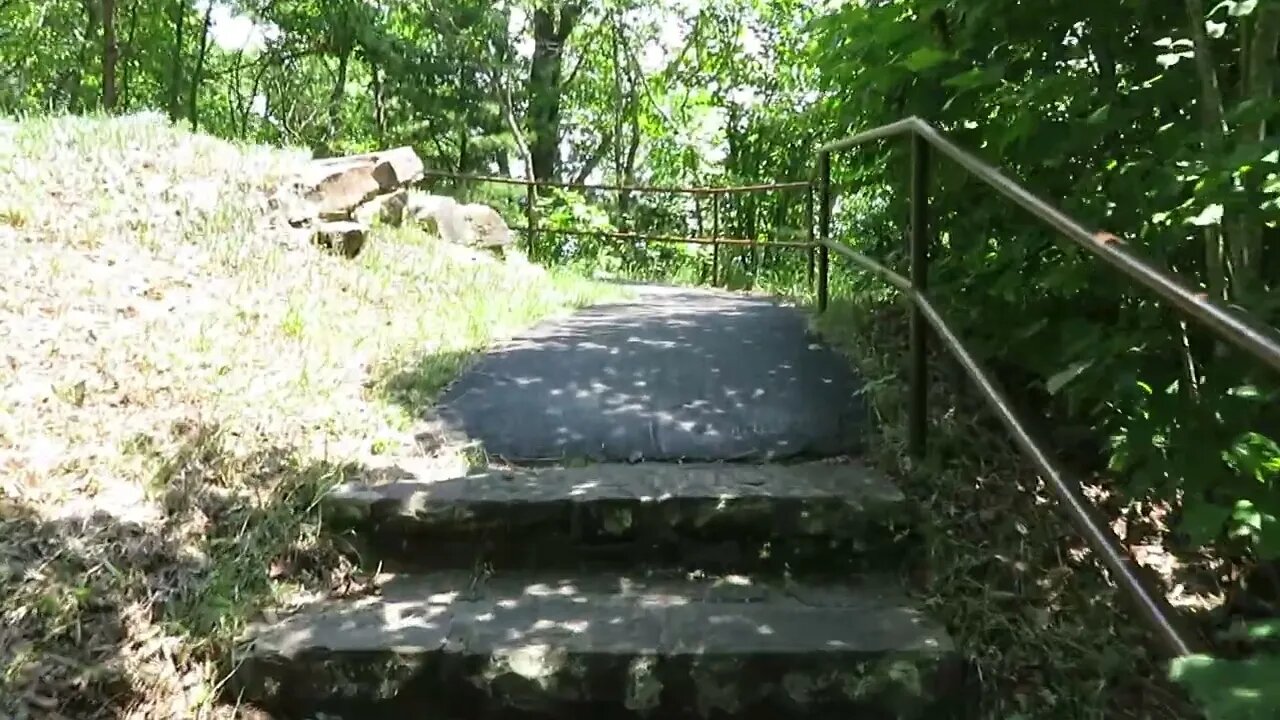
x=1046, y=633
x=182, y=378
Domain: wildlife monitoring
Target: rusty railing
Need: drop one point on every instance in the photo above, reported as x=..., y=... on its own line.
x=1256, y=339
x=531, y=229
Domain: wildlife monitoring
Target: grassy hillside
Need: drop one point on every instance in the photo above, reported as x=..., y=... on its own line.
x=181, y=377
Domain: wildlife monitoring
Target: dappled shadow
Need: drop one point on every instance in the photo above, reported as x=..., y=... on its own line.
x=544, y=646
x=675, y=374
x=110, y=615
x=828, y=519
x=1007, y=571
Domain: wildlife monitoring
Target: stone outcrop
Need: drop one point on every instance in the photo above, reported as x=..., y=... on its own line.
x=339, y=199
x=472, y=225
x=339, y=185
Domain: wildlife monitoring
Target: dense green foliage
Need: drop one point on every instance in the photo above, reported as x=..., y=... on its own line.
x=1155, y=121
x=1136, y=123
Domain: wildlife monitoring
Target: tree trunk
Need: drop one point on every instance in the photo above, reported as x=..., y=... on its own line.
x=197, y=76
x=593, y=161
x=624, y=197
x=379, y=104
x=1211, y=116
x=110, y=53
x=127, y=56
x=1247, y=278
x=550, y=31
x=335, y=100
x=463, y=148
x=175, y=58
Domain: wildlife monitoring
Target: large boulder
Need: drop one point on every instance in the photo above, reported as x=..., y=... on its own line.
x=486, y=227
x=337, y=186
x=437, y=214
x=472, y=225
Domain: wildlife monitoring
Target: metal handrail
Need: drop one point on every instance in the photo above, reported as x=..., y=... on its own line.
x=531, y=228
x=674, y=190
x=1252, y=336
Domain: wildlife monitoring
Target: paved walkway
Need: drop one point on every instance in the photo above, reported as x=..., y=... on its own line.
x=673, y=374
x=676, y=590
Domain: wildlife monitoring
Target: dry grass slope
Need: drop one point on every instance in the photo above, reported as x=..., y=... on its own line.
x=181, y=379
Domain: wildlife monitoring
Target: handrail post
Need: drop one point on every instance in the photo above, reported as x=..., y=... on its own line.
x=715, y=236
x=824, y=256
x=808, y=224
x=531, y=216
x=918, y=399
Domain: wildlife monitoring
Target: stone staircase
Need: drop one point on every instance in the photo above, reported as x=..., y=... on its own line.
x=657, y=590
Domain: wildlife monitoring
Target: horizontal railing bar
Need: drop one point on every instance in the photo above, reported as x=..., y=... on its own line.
x=622, y=235
x=1260, y=341
x=1080, y=511
x=616, y=188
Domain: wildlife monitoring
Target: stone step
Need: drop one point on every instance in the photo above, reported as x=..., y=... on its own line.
x=836, y=516
x=533, y=645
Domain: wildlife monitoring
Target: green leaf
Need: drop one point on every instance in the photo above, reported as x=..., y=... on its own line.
x=1246, y=516
x=1099, y=116
x=1244, y=7
x=925, y=58
x=1264, y=629
x=1202, y=521
x=1060, y=379
x=1231, y=689
x=971, y=78
x=1211, y=215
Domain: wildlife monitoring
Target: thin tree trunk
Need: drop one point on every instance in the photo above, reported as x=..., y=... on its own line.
x=550, y=32
x=509, y=112
x=110, y=54
x=127, y=56
x=602, y=148
x=196, y=77
x=379, y=104
x=335, y=100
x=1259, y=88
x=624, y=199
x=1211, y=116
x=175, y=58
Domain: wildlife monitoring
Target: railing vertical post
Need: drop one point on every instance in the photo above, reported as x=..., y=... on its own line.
x=808, y=224
x=824, y=256
x=531, y=216
x=918, y=399
x=715, y=235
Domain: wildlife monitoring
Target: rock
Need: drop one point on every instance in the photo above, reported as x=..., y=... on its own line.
x=337, y=186
x=438, y=214
x=396, y=167
x=473, y=225
x=336, y=189
x=487, y=228
x=342, y=236
x=383, y=210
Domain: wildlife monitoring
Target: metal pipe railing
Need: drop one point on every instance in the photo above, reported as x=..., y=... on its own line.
x=532, y=230
x=1258, y=340
x=729, y=190
x=653, y=237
